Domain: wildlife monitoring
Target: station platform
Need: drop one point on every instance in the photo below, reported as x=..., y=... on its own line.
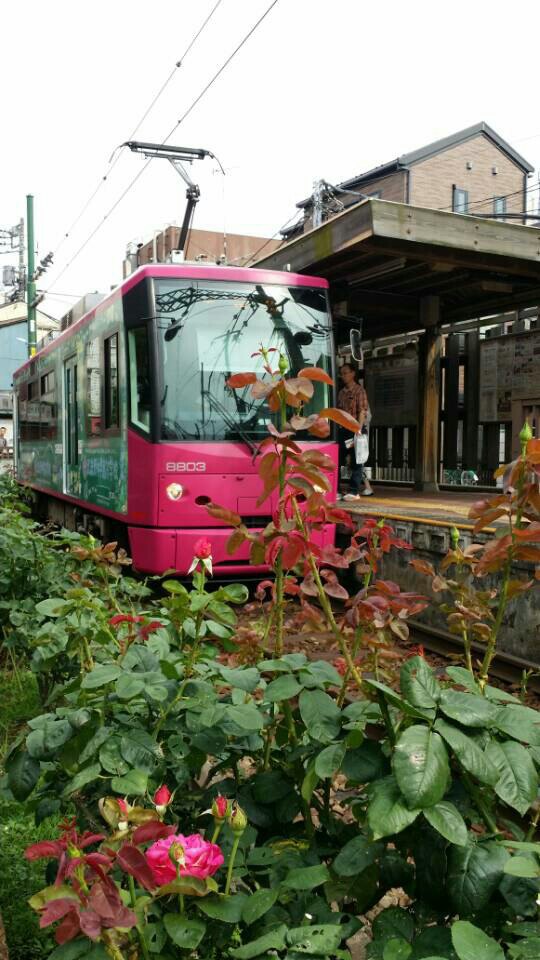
x=446, y=508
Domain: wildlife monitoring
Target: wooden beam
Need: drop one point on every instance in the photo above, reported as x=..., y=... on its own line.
x=429, y=385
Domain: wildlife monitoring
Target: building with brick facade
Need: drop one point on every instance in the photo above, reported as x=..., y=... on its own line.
x=472, y=171
x=206, y=246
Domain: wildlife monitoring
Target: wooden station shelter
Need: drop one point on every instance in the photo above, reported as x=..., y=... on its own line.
x=409, y=269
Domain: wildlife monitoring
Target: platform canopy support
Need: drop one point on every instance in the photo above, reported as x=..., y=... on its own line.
x=429, y=396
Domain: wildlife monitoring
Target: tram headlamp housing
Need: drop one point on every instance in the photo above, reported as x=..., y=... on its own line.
x=174, y=491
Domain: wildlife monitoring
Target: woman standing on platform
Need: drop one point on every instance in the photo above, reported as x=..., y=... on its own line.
x=353, y=399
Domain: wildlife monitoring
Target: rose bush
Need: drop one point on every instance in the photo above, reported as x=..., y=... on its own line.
x=197, y=858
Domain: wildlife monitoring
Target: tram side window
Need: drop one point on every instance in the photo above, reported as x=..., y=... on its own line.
x=48, y=406
x=93, y=388
x=29, y=411
x=139, y=378
x=112, y=407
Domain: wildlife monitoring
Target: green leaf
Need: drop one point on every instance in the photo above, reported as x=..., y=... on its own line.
x=520, y=723
x=79, y=949
x=219, y=629
x=129, y=685
x=45, y=741
x=321, y=940
x=469, y=709
x=471, y=943
x=53, y=606
x=282, y=688
x=320, y=714
x=226, y=909
x=258, y=904
x=270, y=786
x=22, y=774
x=518, y=779
x=462, y=676
x=364, y=763
x=474, y=873
x=419, y=686
x=329, y=760
x=183, y=932
x=110, y=757
x=84, y=776
x=243, y=678
x=393, y=922
x=101, y=675
x=320, y=672
x=387, y=813
x=522, y=867
x=355, y=856
x=42, y=897
x=396, y=949
x=468, y=753
x=395, y=700
x=140, y=750
x=447, y=820
x=306, y=878
x=246, y=716
x=527, y=845
x=274, y=940
x=309, y=782
x=134, y=783
x=235, y=593
x=421, y=767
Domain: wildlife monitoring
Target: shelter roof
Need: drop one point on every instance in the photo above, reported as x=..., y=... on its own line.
x=388, y=256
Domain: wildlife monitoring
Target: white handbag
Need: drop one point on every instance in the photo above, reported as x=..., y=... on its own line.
x=361, y=447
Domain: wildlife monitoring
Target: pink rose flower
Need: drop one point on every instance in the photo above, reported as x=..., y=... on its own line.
x=203, y=549
x=202, y=858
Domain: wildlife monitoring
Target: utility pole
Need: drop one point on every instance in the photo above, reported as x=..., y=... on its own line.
x=31, y=283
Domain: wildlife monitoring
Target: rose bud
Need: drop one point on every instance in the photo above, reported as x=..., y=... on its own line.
x=237, y=819
x=162, y=799
x=177, y=854
x=220, y=808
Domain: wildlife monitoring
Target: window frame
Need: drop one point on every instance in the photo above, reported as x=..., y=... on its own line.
x=496, y=202
x=131, y=386
x=88, y=435
x=463, y=208
x=110, y=429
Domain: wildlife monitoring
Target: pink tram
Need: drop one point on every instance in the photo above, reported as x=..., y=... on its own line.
x=126, y=427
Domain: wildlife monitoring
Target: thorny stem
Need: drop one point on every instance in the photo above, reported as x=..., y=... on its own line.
x=217, y=830
x=533, y=825
x=140, y=930
x=367, y=581
x=278, y=646
x=386, y=718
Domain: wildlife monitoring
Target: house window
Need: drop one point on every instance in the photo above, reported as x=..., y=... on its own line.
x=460, y=200
x=499, y=205
x=112, y=414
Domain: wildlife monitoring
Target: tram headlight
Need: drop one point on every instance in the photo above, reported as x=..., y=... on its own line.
x=174, y=491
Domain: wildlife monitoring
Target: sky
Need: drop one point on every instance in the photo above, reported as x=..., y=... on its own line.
x=320, y=90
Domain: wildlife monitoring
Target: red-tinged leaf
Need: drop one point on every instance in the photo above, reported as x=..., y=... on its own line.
x=56, y=909
x=294, y=549
x=257, y=553
x=291, y=587
x=528, y=534
x=308, y=587
x=330, y=554
x=260, y=389
x=317, y=479
x=298, y=483
x=341, y=417
x=275, y=432
x=352, y=554
x=318, y=459
x=315, y=373
x=530, y=554
x=271, y=485
x=238, y=380
x=516, y=587
x=480, y=507
x=132, y=861
x=269, y=466
x=221, y=513
x=388, y=587
x=336, y=591
x=68, y=929
x=422, y=566
x=299, y=386
x=50, y=849
x=438, y=584
x=320, y=428
x=90, y=924
x=235, y=541
x=335, y=515
x=154, y=830
x=488, y=518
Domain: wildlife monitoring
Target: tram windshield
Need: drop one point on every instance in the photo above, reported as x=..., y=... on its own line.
x=208, y=330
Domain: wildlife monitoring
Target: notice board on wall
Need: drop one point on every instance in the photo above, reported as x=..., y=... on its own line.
x=509, y=370
x=391, y=384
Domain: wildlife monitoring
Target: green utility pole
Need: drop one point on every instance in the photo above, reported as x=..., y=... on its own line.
x=31, y=283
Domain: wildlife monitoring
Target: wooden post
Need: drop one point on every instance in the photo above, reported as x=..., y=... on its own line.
x=472, y=400
x=451, y=402
x=429, y=391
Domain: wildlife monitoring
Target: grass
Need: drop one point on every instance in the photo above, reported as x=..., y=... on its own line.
x=20, y=879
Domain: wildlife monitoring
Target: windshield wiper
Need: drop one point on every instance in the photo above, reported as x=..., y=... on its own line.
x=232, y=423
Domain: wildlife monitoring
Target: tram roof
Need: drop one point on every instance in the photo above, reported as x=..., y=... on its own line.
x=384, y=257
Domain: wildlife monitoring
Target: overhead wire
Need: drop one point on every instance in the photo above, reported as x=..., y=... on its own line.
x=164, y=141
x=115, y=156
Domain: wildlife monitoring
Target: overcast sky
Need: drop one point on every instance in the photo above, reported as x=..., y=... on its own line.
x=322, y=89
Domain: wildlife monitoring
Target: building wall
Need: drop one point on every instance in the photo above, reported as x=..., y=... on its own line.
x=432, y=180
x=206, y=245
x=392, y=187
x=13, y=351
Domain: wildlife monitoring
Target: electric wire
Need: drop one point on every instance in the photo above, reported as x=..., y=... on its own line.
x=164, y=141
x=118, y=153
x=252, y=256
